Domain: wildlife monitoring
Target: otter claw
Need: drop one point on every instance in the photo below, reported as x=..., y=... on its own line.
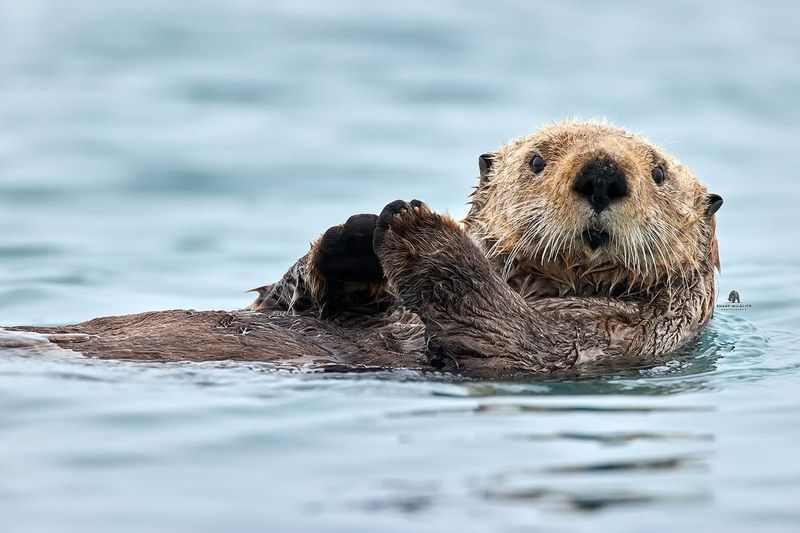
x=388, y=214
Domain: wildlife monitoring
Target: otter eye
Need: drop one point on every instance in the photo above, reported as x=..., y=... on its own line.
x=537, y=164
x=658, y=175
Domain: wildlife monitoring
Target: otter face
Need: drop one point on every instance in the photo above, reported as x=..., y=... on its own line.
x=595, y=198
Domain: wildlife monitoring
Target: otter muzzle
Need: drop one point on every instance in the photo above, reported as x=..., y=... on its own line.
x=595, y=238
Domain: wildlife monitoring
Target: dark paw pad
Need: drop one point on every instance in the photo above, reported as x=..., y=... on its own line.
x=387, y=215
x=345, y=252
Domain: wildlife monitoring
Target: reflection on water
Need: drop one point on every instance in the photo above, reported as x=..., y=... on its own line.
x=155, y=156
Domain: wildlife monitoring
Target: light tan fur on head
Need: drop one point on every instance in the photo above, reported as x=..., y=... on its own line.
x=531, y=224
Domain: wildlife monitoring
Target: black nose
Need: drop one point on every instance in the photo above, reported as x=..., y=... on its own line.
x=601, y=182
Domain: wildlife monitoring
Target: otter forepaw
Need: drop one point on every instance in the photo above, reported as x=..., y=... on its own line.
x=345, y=253
x=400, y=219
x=424, y=255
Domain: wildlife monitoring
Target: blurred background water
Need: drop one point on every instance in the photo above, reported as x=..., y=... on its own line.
x=165, y=154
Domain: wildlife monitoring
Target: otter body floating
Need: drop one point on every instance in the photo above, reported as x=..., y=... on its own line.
x=584, y=245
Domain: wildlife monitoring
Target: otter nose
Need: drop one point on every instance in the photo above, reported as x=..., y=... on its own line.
x=601, y=182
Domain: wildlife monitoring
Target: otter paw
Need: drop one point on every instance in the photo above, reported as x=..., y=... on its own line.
x=415, y=247
x=345, y=252
x=399, y=218
x=428, y=260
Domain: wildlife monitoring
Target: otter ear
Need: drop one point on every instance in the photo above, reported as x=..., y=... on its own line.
x=485, y=162
x=714, y=203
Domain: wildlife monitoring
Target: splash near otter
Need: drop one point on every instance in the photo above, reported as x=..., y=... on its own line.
x=584, y=245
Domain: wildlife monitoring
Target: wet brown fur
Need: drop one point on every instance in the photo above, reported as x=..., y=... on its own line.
x=513, y=287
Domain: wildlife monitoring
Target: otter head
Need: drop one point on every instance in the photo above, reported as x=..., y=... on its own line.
x=594, y=209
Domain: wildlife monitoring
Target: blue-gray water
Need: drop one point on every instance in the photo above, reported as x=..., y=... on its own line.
x=162, y=154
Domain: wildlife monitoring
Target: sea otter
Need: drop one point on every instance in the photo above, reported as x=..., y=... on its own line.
x=584, y=244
